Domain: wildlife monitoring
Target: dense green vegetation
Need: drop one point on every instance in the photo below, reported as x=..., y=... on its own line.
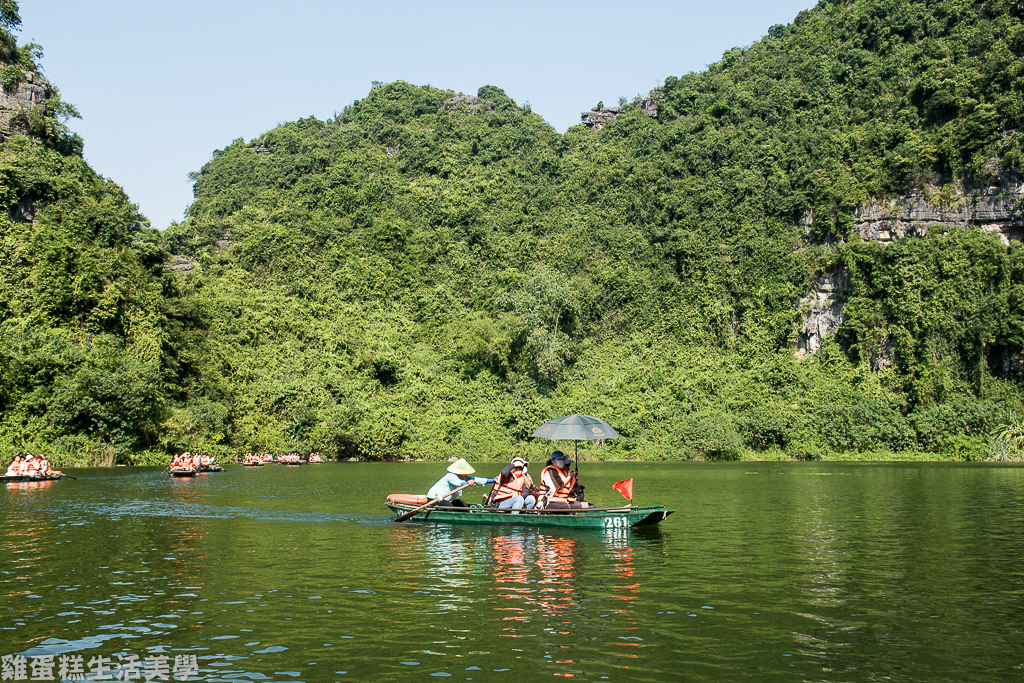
x=83, y=296
x=421, y=277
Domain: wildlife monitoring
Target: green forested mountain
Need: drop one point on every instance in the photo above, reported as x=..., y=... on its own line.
x=83, y=296
x=428, y=274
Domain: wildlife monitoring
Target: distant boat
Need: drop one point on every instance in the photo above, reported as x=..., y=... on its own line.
x=26, y=477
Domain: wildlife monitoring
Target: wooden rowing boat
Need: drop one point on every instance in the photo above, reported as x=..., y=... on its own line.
x=182, y=473
x=26, y=477
x=590, y=518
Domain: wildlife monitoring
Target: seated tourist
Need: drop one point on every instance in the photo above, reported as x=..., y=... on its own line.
x=557, y=484
x=14, y=469
x=512, y=489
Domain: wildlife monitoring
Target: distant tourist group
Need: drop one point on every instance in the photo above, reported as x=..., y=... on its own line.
x=251, y=459
x=189, y=462
x=31, y=466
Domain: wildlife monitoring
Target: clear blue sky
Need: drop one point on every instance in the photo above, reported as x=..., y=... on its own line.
x=161, y=85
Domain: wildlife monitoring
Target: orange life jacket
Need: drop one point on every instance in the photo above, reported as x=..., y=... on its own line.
x=512, y=488
x=563, y=484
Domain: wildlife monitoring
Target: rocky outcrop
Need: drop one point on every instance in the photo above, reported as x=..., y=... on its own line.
x=30, y=93
x=180, y=264
x=24, y=211
x=597, y=117
x=824, y=310
x=998, y=209
x=476, y=105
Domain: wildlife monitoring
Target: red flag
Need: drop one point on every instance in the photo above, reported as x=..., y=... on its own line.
x=625, y=487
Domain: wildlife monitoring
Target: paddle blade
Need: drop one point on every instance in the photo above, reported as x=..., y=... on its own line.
x=625, y=487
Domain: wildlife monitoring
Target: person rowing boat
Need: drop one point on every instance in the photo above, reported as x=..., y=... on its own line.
x=448, y=488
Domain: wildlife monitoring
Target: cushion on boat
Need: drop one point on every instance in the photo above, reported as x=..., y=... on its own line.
x=408, y=499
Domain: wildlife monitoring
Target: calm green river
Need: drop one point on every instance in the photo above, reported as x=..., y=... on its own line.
x=767, y=572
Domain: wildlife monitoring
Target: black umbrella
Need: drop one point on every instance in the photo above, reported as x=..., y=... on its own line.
x=576, y=428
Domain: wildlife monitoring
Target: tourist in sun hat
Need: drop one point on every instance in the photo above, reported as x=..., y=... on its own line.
x=459, y=474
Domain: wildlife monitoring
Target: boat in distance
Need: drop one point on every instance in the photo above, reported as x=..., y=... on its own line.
x=588, y=518
x=28, y=477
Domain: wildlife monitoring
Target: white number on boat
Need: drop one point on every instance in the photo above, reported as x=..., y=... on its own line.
x=616, y=522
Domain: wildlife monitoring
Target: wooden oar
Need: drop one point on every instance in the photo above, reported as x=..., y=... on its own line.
x=406, y=515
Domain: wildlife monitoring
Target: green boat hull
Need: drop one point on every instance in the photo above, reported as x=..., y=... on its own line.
x=594, y=518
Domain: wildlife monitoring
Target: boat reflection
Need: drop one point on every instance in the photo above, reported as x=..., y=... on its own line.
x=31, y=485
x=187, y=542
x=538, y=582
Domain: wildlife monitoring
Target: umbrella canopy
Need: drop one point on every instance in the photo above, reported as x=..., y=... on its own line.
x=576, y=428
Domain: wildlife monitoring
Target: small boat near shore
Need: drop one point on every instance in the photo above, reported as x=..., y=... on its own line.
x=175, y=472
x=588, y=518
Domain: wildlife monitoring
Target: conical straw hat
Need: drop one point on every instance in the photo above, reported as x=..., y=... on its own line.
x=460, y=466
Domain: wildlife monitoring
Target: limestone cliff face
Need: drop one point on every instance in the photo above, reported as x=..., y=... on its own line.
x=597, y=117
x=824, y=311
x=30, y=93
x=475, y=105
x=999, y=208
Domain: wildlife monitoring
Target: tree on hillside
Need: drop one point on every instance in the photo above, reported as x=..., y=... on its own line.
x=10, y=20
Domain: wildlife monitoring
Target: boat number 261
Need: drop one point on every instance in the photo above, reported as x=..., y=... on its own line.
x=614, y=523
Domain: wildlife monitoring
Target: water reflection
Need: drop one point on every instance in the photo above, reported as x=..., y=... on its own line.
x=857, y=575
x=31, y=485
x=534, y=579
x=26, y=551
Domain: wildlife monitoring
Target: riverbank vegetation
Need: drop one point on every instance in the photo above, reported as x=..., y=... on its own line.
x=427, y=276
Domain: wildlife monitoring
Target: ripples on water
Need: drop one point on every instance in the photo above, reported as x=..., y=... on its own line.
x=767, y=572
